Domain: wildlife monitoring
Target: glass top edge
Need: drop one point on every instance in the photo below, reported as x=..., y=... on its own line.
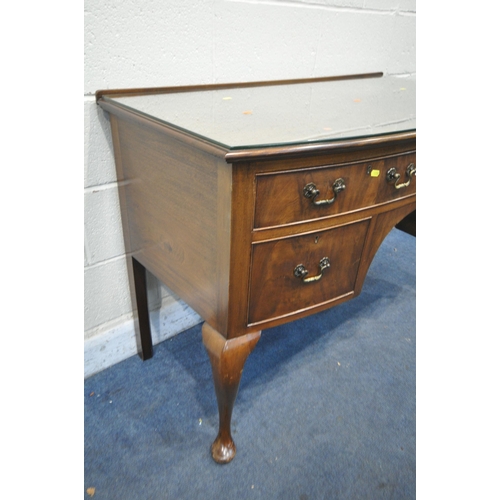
x=299, y=144
x=265, y=145
x=171, y=125
x=285, y=113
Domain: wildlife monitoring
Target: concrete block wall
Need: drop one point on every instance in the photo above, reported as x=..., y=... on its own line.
x=147, y=43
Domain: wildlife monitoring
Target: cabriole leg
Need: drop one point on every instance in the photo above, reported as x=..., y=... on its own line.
x=227, y=358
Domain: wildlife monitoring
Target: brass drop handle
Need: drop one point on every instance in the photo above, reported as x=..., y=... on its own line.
x=311, y=191
x=301, y=272
x=393, y=176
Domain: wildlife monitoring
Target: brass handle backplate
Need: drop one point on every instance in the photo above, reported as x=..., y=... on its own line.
x=312, y=192
x=301, y=272
x=393, y=176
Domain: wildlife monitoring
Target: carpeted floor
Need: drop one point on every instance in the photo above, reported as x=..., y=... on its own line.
x=326, y=408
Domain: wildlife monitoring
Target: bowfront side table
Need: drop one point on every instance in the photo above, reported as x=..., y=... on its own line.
x=259, y=203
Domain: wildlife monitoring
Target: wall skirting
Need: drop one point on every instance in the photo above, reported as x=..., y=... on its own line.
x=119, y=342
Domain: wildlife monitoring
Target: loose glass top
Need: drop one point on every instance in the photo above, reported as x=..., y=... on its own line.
x=288, y=114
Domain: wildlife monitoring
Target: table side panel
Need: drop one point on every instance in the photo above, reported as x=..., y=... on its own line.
x=174, y=195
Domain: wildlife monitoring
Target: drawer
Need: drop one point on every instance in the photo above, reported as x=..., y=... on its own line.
x=281, y=197
x=279, y=285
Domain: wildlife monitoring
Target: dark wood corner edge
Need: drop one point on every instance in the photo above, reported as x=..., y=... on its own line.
x=191, y=88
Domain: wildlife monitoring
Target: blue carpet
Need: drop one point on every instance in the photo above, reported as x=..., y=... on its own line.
x=326, y=408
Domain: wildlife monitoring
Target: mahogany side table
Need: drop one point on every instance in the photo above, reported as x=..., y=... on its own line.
x=259, y=203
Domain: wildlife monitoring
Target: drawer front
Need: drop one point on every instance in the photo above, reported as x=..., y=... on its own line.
x=279, y=285
x=307, y=194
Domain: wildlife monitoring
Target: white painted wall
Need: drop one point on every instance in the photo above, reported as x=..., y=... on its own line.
x=147, y=43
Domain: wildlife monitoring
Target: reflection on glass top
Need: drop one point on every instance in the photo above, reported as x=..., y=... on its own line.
x=252, y=117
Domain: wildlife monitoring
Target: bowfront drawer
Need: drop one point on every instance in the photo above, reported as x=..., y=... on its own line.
x=319, y=192
x=296, y=273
